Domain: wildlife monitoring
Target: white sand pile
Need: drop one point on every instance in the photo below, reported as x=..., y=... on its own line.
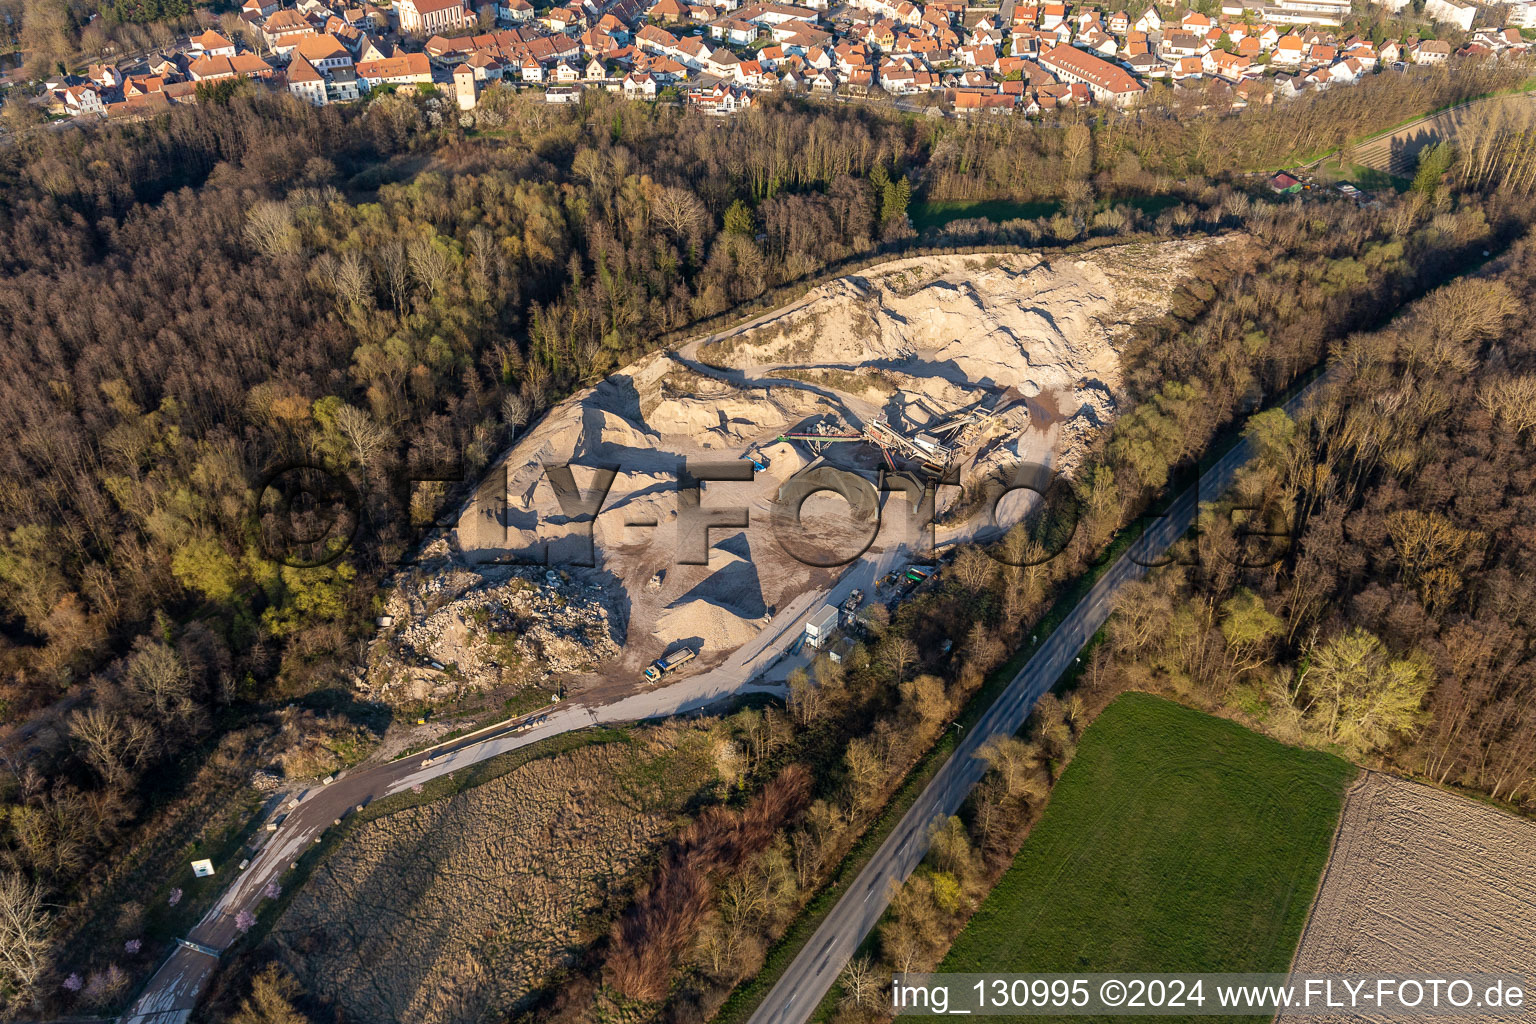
x=719, y=628
x=912, y=343
x=1021, y=323
x=731, y=417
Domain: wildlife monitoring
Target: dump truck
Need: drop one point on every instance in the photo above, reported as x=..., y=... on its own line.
x=669, y=663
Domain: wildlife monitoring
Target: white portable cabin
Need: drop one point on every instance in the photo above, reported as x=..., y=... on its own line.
x=820, y=626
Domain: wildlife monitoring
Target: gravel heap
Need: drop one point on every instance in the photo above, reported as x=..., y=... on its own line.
x=459, y=630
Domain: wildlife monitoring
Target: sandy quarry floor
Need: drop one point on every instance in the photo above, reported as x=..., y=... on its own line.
x=1423, y=882
x=911, y=342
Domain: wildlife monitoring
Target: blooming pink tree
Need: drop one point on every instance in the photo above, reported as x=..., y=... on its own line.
x=272, y=891
x=133, y=945
x=73, y=983
x=244, y=921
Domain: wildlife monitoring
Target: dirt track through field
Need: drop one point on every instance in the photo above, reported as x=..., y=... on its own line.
x=1398, y=153
x=1423, y=882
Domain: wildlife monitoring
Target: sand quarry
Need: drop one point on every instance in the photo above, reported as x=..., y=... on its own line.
x=913, y=342
x=1426, y=883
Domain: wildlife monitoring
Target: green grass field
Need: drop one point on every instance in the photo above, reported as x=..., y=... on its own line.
x=936, y=215
x=1174, y=842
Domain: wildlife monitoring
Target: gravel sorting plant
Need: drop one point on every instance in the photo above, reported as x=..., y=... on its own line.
x=1023, y=345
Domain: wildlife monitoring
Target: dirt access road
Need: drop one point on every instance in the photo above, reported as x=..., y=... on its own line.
x=173, y=991
x=812, y=973
x=175, y=988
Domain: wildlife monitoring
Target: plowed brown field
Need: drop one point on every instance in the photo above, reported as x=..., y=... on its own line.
x=1423, y=882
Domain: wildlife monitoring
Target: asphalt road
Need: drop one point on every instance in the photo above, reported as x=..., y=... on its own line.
x=811, y=974
x=174, y=989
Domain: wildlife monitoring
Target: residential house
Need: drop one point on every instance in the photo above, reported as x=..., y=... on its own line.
x=487, y=67
x=401, y=69
x=1176, y=45
x=284, y=28
x=638, y=85
x=1288, y=87
x=978, y=56
x=164, y=64
x=82, y=99
x=323, y=52
x=211, y=44
x=1363, y=52
x=142, y=85
x=367, y=49
x=721, y=99
x=983, y=102
x=1432, y=51
x=305, y=82
x=241, y=65
x=1346, y=71
x=104, y=76
x=1147, y=65
x=563, y=19
x=341, y=85
x=1101, y=43
x=1228, y=66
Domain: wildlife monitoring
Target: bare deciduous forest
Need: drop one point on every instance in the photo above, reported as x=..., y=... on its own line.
x=192, y=300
